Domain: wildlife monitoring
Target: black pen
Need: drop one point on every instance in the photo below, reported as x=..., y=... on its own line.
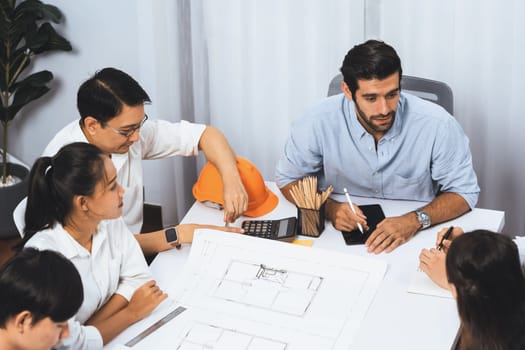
x=445, y=236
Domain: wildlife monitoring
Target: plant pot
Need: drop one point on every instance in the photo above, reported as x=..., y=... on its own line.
x=10, y=196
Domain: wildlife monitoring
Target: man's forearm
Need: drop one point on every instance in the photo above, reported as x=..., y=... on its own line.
x=446, y=206
x=221, y=155
x=285, y=190
x=218, y=151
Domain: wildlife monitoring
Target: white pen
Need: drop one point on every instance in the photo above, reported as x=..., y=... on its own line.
x=353, y=209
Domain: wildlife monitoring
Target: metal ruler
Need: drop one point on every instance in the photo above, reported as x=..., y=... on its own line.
x=156, y=326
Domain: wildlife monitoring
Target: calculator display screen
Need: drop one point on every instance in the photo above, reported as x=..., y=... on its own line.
x=283, y=225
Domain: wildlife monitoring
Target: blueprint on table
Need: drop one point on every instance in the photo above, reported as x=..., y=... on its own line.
x=248, y=293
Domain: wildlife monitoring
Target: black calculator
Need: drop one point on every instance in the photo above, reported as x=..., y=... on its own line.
x=282, y=230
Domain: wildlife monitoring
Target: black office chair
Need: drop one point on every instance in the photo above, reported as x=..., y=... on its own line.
x=430, y=90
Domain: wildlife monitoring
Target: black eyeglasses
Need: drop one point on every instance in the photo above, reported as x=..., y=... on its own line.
x=131, y=130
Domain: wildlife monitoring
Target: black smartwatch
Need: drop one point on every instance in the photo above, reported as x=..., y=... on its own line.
x=172, y=237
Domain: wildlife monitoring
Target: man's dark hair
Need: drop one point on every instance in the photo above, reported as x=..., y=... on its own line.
x=44, y=283
x=103, y=95
x=372, y=59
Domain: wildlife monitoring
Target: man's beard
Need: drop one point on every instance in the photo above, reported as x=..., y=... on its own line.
x=369, y=121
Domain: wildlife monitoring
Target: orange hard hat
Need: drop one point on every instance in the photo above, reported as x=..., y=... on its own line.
x=209, y=188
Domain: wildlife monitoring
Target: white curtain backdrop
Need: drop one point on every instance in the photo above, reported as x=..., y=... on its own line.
x=250, y=67
x=259, y=64
x=478, y=48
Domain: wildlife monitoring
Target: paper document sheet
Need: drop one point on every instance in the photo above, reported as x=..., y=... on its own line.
x=249, y=293
x=422, y=284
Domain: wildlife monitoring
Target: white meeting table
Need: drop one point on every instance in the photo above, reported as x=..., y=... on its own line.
x=396, y=319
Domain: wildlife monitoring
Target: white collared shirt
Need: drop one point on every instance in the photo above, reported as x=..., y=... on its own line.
x=115, y=265
x=158, y=139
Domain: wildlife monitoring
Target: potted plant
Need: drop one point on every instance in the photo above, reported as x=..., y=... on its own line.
x=25, y=31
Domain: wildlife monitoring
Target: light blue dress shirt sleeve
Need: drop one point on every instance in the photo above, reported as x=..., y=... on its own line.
x=302, y=155
x=451, y=165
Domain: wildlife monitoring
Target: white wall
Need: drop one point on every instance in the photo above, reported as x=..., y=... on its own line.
x=135, y=36
x=98, y=40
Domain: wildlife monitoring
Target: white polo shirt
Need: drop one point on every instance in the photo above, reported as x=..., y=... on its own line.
x=115, y=265
x=158, y=139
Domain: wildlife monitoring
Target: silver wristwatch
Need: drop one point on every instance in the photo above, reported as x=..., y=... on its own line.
x=423, y=218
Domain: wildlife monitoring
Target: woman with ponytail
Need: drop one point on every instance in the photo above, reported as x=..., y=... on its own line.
x=486, y=277
x=74, y=207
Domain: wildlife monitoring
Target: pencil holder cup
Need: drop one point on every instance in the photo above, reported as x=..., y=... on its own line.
x=310, y=222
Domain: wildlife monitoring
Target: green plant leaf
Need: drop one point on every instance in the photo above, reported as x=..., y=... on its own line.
x=18, y=62
x=25, y=96
x=25, y=32
x=39, y=10
x=36, y=79
x=25, y=91
x=47, y=39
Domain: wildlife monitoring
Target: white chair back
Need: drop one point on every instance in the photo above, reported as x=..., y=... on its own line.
x=19, y=216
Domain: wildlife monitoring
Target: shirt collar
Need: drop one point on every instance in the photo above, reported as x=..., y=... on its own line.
x=78, y=134
x=99, y=237
x=67, y=245
x=119, y=160
x=70, y=248
x=358, y=130
x=395, y=130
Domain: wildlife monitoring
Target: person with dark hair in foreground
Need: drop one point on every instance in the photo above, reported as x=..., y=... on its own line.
x=486, y=277
x=378, y=141
x=39, y=292
x=432, y=261
x=111, y=107
x=74, y=206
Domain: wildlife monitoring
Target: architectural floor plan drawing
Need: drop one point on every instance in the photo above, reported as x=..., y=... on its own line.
x=259, y=285
x=247, y=293
x=206, y=336
x=206, y=330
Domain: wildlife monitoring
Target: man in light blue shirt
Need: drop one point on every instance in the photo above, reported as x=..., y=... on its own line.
x=379, y=142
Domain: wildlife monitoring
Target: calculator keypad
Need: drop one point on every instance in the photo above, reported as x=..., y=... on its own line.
x=260, y=228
